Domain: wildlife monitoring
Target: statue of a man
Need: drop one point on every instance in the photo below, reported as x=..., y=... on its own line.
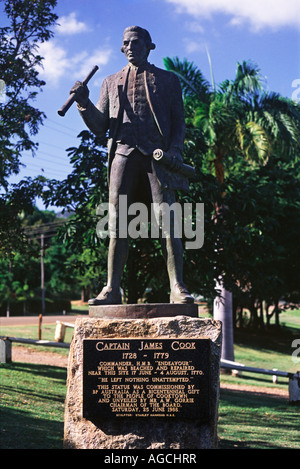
x=141, y=108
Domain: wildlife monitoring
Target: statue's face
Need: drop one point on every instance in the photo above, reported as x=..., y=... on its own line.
x=134, y=47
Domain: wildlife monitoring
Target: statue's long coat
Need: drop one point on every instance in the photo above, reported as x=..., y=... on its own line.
x=164, y=96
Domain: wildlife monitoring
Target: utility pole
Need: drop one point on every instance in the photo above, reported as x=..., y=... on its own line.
x=8, y=300
x=42, y=274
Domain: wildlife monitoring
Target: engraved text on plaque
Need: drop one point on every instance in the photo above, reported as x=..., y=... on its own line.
x=141, y=378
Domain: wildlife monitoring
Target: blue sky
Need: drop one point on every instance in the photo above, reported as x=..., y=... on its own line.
x=266, y=32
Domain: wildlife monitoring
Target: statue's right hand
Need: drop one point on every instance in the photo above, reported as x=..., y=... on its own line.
x=82, y=93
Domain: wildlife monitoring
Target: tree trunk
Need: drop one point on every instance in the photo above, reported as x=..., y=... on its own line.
x=254, y=317
x=261, y=317
x=223, y=312
x=277, y=312
x=85, y=294
x=222, y=309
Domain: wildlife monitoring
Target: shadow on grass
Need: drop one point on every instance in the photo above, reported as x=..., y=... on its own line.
x=254, y=420
x=273, y=339
x=21, y=430
x=32, y=406
x=53, y=372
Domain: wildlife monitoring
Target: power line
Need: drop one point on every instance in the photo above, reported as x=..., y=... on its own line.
x=54, y=157
x=47, y=230
x=36, y=158
x=60, y=125
x=44, y=225
x=31, y=166
x=54, y=224
x=35, y=237
x=58, y=130
x=52, y=145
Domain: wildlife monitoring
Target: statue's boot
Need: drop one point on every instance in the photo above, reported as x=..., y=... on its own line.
x=179, y=294
x=107, y=296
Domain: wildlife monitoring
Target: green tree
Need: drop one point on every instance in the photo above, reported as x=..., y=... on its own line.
x=239, y=119
x=263, y=231
x=80, y=194
x=28, y=25
x=20, y=274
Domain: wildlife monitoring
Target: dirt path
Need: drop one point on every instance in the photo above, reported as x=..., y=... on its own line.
x=28, y=355
x=257, y=390
x=32, y=320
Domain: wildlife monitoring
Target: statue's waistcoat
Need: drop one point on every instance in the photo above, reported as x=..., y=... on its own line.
x=137, y=127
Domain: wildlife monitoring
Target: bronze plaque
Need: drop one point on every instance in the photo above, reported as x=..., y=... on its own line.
x=142, y=378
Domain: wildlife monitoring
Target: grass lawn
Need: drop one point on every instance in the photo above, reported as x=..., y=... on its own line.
x=32, y=400
x=258, y=420
x=32, y=410
x=249, y=421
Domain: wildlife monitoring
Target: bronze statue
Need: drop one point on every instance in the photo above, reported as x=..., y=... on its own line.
x=141, y=107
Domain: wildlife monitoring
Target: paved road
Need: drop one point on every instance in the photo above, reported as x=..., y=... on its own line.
x=32, y=320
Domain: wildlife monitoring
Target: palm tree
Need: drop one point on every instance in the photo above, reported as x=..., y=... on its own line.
x=238, y=118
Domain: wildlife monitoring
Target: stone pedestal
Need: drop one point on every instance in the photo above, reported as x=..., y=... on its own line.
x=143, y=311
x=140, y=433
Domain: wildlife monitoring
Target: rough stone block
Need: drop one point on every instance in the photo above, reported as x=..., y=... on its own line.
x=127, y=433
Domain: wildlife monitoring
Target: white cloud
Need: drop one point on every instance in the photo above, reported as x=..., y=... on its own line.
x=194, y=27
x=69, y=25
x=98, y=57
x=194, y=46
x=58, y=63
x=55, y=63
x=259, y=13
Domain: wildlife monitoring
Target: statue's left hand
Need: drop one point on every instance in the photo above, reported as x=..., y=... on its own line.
x=177, y=160
x=82, y=93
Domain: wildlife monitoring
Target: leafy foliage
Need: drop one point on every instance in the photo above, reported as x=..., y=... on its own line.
x=243, y=142
x=29, y=24
x=20, y=273
x=252, y=140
